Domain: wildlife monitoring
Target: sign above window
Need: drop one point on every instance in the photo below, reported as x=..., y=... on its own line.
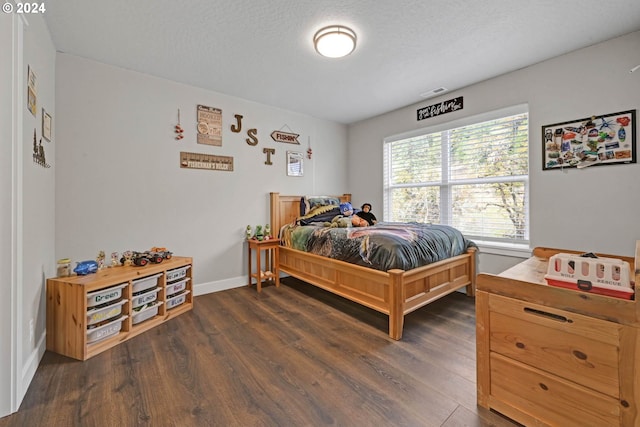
x=443, y=107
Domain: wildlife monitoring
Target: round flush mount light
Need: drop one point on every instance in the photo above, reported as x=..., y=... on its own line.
x=335, y=41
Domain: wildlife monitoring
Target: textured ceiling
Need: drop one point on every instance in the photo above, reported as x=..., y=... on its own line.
x=262, y=50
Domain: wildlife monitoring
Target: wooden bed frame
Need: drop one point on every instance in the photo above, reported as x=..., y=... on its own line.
x=395, y=292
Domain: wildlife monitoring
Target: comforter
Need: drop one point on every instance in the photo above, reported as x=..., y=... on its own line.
x=384, y=246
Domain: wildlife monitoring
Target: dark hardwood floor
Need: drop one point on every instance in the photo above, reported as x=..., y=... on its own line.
x=289, y=356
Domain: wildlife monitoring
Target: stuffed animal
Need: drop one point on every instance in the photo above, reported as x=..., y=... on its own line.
x=339, y=221
x=359, y=222
x=346, y=209
x=346, y=218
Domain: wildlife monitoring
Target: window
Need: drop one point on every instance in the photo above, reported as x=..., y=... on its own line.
x=471, y=174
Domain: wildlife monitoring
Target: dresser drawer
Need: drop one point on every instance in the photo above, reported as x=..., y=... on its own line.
x=549, y=399
x=581, y=349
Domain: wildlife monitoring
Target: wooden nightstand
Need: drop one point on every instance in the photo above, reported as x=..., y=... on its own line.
x=271, y=271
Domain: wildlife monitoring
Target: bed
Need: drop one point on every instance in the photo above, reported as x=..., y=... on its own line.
x=394, y=292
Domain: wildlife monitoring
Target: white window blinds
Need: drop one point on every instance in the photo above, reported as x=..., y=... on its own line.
x=473, y=177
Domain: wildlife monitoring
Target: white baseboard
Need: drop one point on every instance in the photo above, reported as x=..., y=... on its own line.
x=30, y=367
x=220, y=285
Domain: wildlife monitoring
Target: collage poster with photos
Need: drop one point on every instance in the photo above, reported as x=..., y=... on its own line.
x=598, y=140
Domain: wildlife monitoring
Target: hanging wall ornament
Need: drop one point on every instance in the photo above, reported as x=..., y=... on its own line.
x=309, y=150
x=38, y=152
x=179, y=130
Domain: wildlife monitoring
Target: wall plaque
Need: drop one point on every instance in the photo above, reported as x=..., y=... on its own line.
x=206, y=161
x=209, y=125
x=443, y=107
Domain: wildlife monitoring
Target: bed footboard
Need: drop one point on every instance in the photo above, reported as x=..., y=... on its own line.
x=394, y=293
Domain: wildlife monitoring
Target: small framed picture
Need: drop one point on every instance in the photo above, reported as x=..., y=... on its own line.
x=46, y=125
x=31, y=91
x=31, y=101
x=31, y=78
x=295, y=163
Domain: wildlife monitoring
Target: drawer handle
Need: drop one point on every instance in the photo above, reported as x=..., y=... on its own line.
x=580, y=355
x=548, y=315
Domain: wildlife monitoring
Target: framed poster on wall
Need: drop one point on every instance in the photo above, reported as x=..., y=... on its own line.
x=295, y=163
x=596, y=140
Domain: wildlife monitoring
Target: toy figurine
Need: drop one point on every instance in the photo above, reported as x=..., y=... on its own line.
x=248, y=232
x=114, y=259
x=100, y=260
x=259, y=235
x=127, y=258
x=267, y=232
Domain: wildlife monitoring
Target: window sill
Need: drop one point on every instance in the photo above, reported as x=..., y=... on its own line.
x=518, y=250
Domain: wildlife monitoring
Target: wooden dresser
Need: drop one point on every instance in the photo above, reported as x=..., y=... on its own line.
x=550, y=356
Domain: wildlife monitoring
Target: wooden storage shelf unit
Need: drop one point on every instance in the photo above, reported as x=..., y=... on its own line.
x=69, y=313
x=549, y=356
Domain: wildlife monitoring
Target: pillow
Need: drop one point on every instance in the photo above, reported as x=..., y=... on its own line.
x=309, y=202
x=319, y=214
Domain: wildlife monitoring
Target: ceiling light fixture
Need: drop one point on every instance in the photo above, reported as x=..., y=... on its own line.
x=335, y=41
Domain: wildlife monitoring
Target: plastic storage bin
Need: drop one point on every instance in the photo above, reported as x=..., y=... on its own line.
x=176, y=287
x=145, y=313
x=177, y=300
x=145, y=283
x=103, y=296
x=145, y=298
x=105, y=331
x=604, y=276
x=98, y=314
x=177, y=273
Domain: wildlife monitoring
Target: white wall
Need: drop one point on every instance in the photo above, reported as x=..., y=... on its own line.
x=594, y=209
x=119, y=184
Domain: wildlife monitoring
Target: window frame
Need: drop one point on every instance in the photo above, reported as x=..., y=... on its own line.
x=444, y=184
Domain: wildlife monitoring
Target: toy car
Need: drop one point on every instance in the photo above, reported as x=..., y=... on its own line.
x=163, y=252
x=155, y=256
x=141, y=259
x=86, y=267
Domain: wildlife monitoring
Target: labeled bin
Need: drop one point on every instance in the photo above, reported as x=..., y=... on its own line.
x=145, y=297
x=174, y=288
x=100, y=313
x=105, y=331
x=177, y=300
x=177, y=273
x=104, y=296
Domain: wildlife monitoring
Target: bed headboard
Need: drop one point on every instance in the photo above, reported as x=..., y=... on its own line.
x=285, y=209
